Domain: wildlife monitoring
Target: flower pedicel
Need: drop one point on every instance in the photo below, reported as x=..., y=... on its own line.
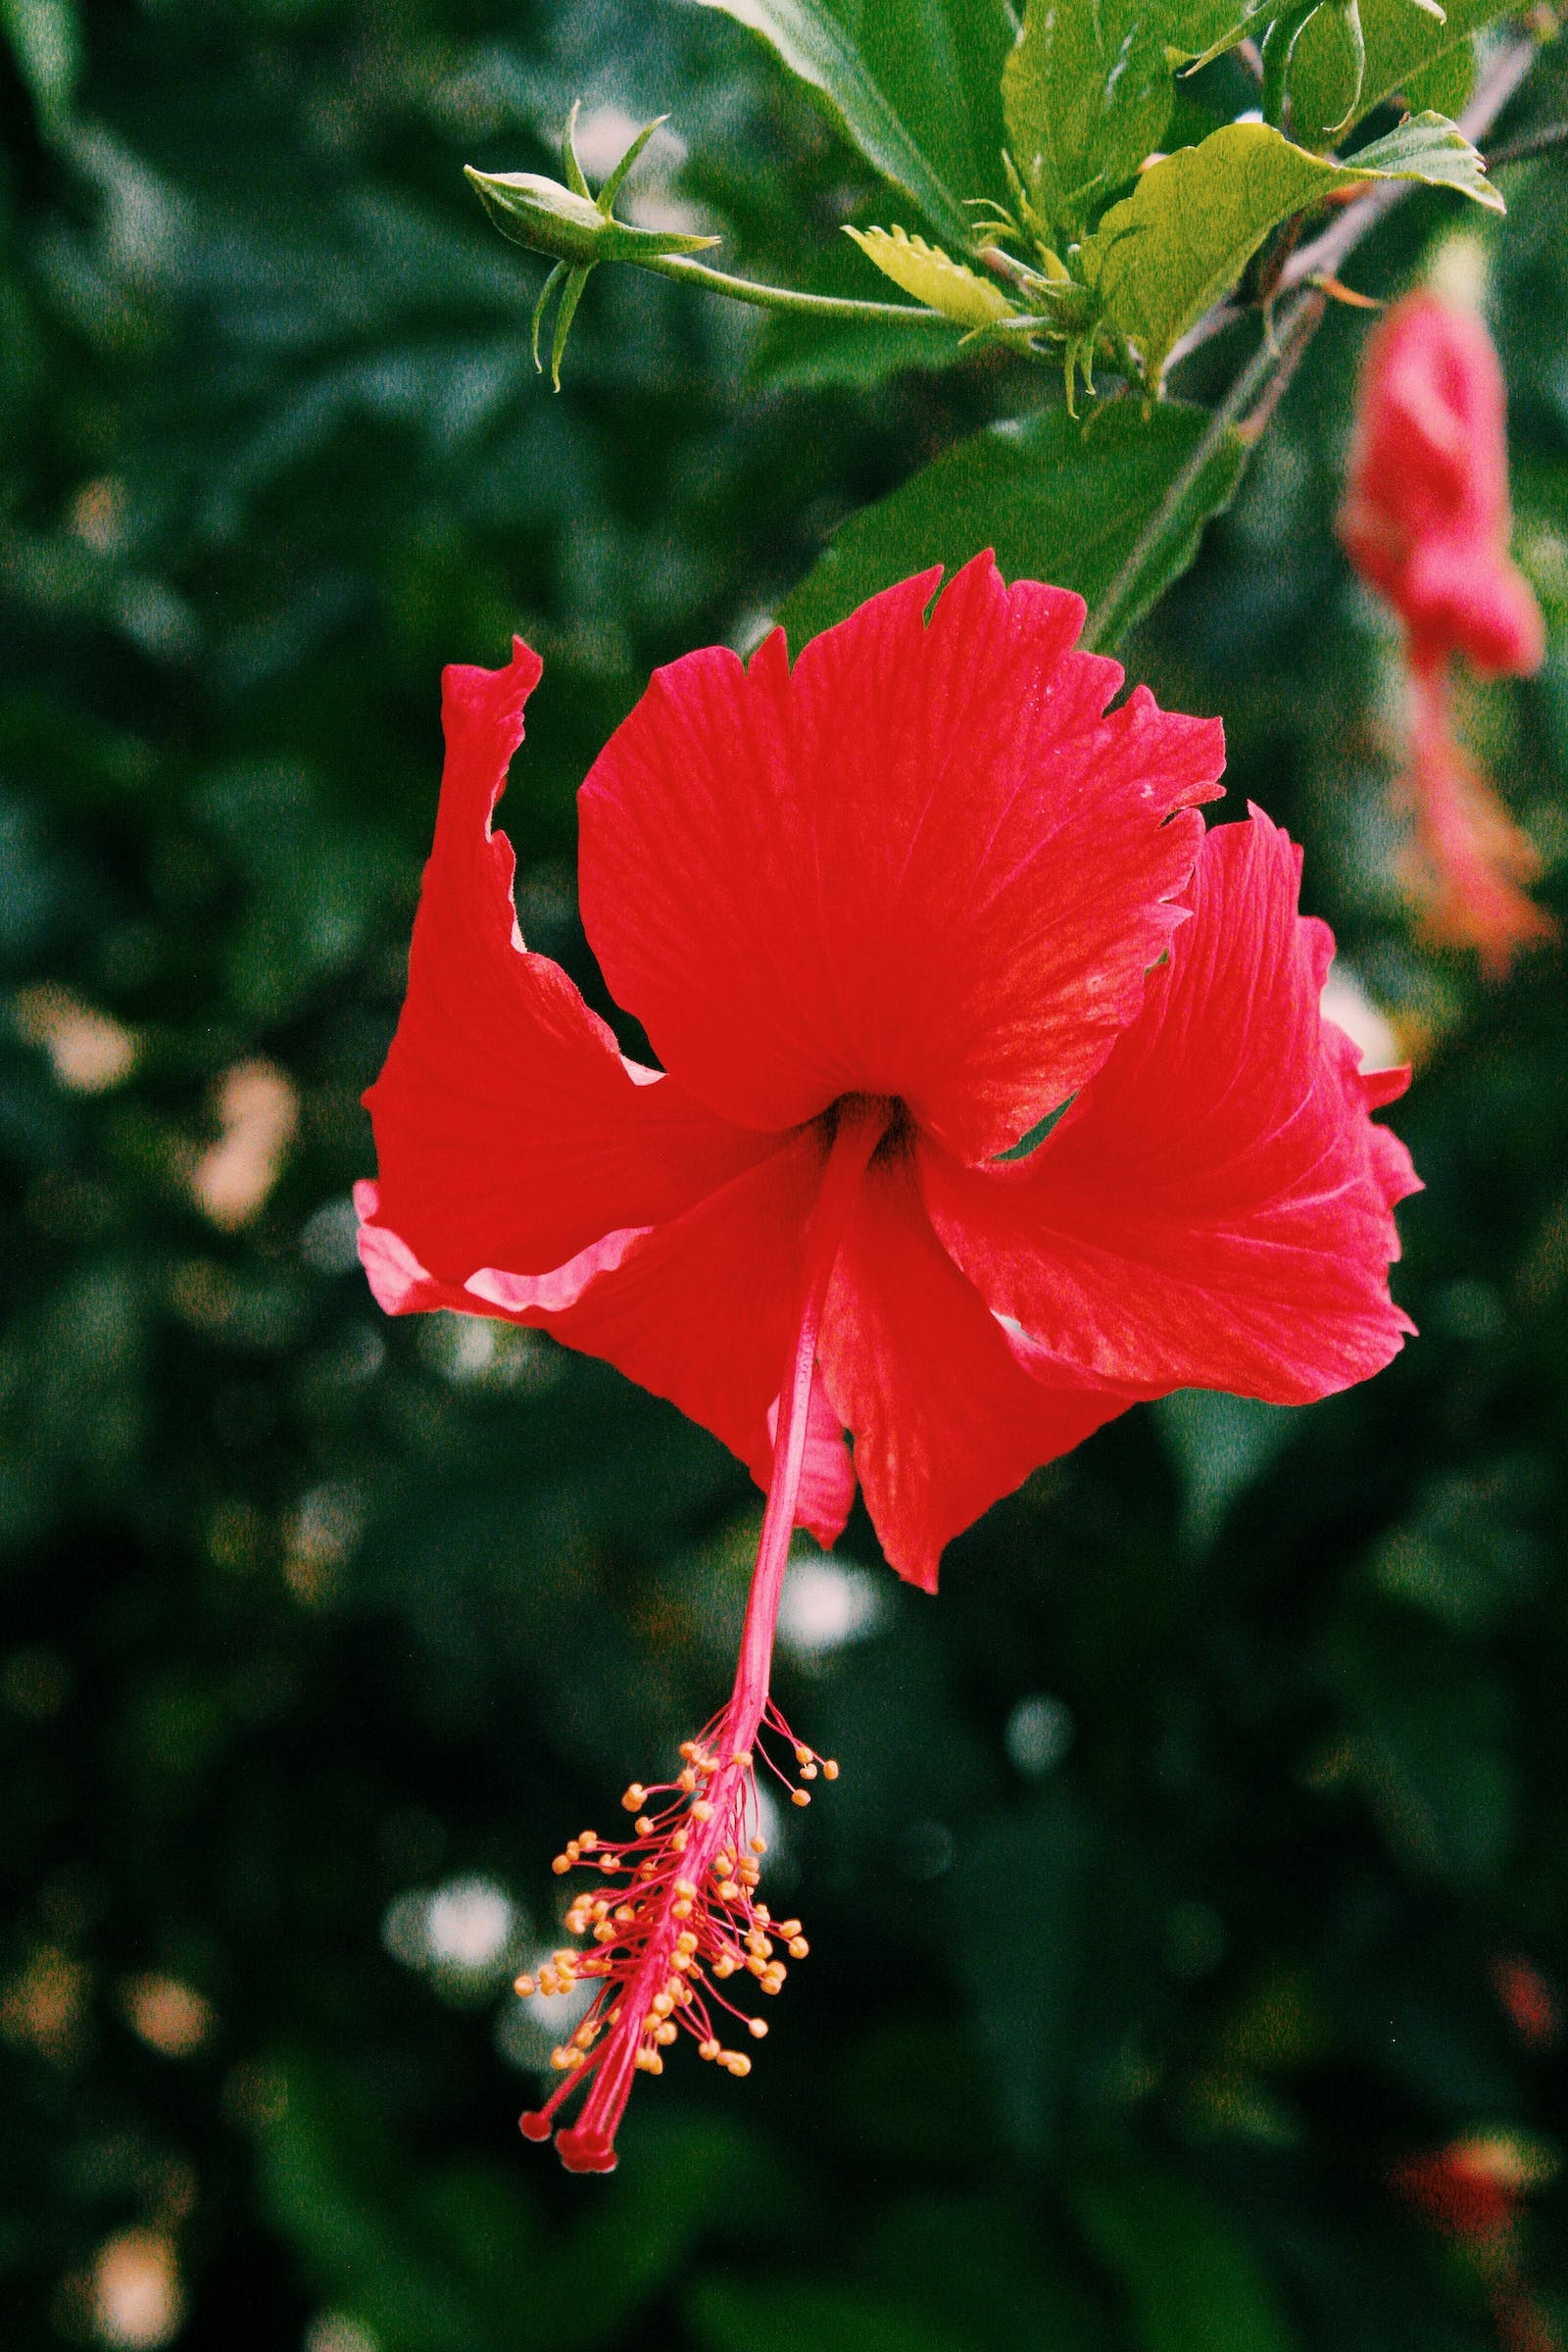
x=879, y=914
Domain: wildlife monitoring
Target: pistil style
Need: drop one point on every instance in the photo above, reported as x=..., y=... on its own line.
x=675, y=1915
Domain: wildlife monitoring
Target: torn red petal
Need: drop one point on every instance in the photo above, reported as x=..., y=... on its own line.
x=508, y=1130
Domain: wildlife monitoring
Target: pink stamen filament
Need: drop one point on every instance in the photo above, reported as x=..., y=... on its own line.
x=683, y=1917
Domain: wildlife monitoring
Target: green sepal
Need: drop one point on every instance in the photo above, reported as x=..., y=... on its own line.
x=545, y=292
x=576, y=180
x=617, y=177
x=548, y=217
x=572, y=295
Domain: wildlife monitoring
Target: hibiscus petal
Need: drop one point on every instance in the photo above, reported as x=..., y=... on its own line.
x=946, y=1411
x=1215, y=1210
x=924, y=864
x=827, y=1472
x=507, y=1127
x=701, y=1310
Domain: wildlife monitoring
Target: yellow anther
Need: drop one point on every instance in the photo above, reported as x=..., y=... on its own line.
x=685, y=1941
x=743, y=1757
x=588, y=1840
x=524, y=1987
x=686, y=1889
x=688, y=1779
x=798, y=1797
x=757, y=1965
x=573, y=1850
x=739, y=2064
x=681, y=1910
x=802, y=1755
x=666, y=2032
x=649, y=2062
x=606, y=1932
x=758, y=1845
x=688, y=1752
x=830, y=1771
x=662, y=2004
x=678, y=1843
x=725, y=1965
x=586, y=2032
x=644, y=1825
x=808, y=1772
x=729, y=1893
x=749, y=1875
x=799, y=1947
x=709, y=2049
x=561, y=1865
x=760, y=1911
x=633, y=1799
x=757, y=2026
x=788, y=1926
x=702, y=1810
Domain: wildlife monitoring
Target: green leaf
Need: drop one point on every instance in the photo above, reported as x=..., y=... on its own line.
x=1221, y=1445
x=44, y=37
x=798, y=353
x=1445, y=85
x=1057, y=498
x=1086, y=96
x=914, y=82
x=1201, y=34
x=1402, y=40
x=933, y=277
x=788, y=2315
x=1194, y=222
x=1191, y=2279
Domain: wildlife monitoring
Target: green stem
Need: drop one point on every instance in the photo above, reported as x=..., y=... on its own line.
x=785, y=298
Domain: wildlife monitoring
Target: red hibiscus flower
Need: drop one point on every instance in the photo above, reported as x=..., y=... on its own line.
x=879, y=915
x=1425, y=521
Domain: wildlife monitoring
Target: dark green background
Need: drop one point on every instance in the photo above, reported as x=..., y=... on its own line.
x=305, y=1612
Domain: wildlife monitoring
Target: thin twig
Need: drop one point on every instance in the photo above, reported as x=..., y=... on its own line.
x=1528, y=143
x=1258, y=390
x=1247, y=406
x=1325, y=256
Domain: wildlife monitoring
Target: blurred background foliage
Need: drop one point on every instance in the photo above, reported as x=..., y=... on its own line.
x=1189, y=1922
